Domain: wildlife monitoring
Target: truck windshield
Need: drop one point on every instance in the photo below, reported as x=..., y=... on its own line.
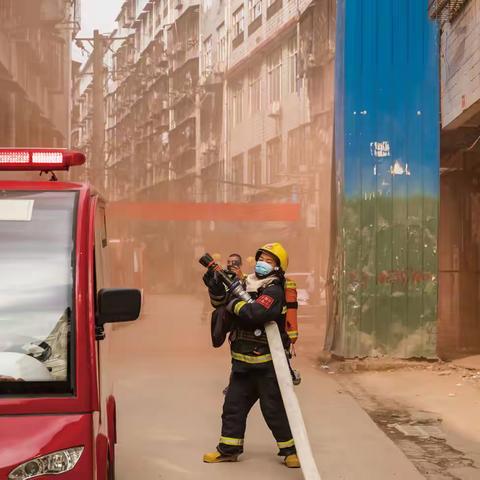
x=36, y=291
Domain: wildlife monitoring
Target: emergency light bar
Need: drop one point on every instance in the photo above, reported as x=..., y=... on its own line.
x=40, y=159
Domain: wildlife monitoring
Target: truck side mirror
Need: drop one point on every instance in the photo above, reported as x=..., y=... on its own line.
x=118, y=305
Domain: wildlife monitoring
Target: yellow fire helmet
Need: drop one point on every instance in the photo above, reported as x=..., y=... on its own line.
x=277, y=250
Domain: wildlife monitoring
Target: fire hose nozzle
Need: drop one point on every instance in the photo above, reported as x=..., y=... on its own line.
x=234, y=286
x=207, y=260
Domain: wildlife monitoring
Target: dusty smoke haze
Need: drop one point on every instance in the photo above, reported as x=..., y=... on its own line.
x=198, y=121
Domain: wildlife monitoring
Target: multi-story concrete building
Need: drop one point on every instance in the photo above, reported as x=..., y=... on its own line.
x=267, y=70
x=35, y=75
x=150, y=109
x=459, y=236
x=120, y=146
x=213, y=64
x=82, y=113
x=221, y=102
x=150, y=87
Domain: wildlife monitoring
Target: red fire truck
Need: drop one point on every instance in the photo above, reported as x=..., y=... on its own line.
x=57, y=411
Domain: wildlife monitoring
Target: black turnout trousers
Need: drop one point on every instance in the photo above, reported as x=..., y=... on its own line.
x=246, y=387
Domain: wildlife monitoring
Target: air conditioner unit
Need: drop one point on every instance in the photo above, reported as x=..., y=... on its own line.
x=275, y=109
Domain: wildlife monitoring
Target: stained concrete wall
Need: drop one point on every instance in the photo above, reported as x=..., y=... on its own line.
x=460, y=77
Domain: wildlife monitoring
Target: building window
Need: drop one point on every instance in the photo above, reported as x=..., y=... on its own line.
x=255, y=165
x=237, y=105
x=255, y=9
x=238, y=22
x=150, y=26
x=6, y=10
x=293, y=80
x=237, y=170
x=138, y=40
x=158, y=14
x=294, y=148
x=255, y=90
x=299, y=148
x=274, y=158
x=222, y=43
x=143, y=33
x=274, y=70
x=207, y=55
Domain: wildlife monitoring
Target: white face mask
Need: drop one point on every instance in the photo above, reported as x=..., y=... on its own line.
x=262, y=269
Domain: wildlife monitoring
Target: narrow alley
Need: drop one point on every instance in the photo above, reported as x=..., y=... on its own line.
x=169, y=383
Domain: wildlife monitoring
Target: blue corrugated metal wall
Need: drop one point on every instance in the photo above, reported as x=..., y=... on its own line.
x=387, y=162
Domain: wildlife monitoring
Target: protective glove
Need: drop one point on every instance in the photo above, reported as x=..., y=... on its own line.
x=208, y=278
x=214, y=284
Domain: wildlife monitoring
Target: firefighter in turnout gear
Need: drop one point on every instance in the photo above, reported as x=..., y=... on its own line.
x=253, y=375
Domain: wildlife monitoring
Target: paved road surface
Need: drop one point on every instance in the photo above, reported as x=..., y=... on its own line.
x=169, y=385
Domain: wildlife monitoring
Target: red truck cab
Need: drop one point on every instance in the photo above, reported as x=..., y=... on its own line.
x=57, y=410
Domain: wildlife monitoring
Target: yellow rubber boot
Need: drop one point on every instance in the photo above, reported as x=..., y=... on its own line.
x=217, y=457
x=292, y=461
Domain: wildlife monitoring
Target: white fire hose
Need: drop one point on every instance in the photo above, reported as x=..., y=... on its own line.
x=283, y=374
x=289, y=397
x=292, y=407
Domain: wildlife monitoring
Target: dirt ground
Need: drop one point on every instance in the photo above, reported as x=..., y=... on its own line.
x=430, y=410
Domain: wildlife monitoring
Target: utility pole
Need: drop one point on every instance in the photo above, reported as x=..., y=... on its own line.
x=198, y=188
x=98, y=120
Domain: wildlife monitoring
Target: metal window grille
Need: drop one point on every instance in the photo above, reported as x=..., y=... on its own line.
x=255, y=8
x=237, y=105
x=255, y=90
x=274, y=76
x=292, y=64
x=274, y=158
x=255, y=165
x=238, y=22
x=222, y=43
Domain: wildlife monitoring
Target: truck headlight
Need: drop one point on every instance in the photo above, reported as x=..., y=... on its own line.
x=52, y=464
